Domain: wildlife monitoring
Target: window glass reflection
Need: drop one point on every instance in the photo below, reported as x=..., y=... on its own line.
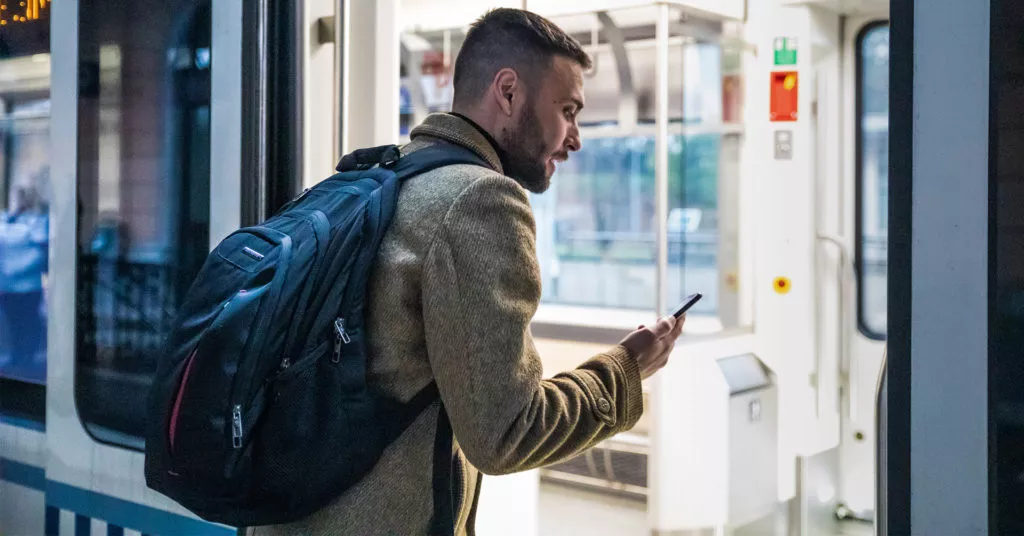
x=24, y=229
x=143, y=193
x=873, y=168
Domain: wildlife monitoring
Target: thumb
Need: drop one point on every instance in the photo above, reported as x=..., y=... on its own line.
x=664, y=326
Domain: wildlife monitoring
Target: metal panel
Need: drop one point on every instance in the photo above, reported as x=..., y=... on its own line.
x=61, y=416
x=949, y=300
x=898, y=365
x=226, y=120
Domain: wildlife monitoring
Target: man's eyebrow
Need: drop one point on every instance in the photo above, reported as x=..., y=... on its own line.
x=578, y=103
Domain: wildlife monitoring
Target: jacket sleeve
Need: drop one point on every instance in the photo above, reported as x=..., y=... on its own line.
x=481, y=287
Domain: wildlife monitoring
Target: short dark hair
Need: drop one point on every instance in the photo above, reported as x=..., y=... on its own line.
x=515, y=38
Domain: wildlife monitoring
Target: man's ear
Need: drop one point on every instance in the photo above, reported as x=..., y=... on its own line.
x=506, y=89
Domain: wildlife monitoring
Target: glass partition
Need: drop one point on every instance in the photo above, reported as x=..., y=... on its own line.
x=143, y=197
x=596, y=226
x=25, y=195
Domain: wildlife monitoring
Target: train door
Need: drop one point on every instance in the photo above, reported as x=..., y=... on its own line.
x=850, y=135
x=163, y=111
x=134, y=219
x=866, y=135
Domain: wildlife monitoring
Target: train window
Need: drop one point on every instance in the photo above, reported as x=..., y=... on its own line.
x=24, y=209
x=596, y=226
x=24, y=239
x=143, y=196
x=597, y=234
x=873, y=177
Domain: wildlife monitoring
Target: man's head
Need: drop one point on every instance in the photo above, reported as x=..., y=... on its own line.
x=520, y=77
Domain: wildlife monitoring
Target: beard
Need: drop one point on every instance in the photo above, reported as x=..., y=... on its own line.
x=524, y=153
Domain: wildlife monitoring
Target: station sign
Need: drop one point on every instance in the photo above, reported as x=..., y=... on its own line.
x=785, y=50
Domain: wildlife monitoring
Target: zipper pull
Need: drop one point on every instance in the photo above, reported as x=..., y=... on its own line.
x=341, y=337
x=236, y=426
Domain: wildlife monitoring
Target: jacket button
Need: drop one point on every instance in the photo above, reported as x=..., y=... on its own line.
x=604, y=405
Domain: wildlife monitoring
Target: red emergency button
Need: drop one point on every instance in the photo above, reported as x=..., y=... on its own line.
x=784, y=91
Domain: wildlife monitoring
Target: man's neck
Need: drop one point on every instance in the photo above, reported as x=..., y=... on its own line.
x=490, y=138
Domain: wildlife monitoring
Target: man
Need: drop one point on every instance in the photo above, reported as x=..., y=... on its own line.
x=456, y=285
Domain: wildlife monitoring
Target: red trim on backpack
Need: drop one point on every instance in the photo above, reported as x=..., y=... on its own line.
x=173, y=427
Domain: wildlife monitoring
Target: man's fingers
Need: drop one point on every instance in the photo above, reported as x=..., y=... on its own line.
x=663, y=360
x=664, y=326
x=677, y=329
x=664, y=348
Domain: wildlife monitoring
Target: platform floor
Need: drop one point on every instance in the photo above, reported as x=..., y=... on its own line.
x=568, y=510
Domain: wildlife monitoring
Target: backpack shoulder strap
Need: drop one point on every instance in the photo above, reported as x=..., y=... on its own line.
x=408, y=165
x=363, y=159
x=433, y=157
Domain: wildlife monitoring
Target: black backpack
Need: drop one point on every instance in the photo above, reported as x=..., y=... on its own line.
x=259, y=412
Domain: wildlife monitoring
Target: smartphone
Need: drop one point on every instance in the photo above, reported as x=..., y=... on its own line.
x=689, y=302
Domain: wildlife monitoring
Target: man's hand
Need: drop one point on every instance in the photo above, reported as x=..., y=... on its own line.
x=652, y=346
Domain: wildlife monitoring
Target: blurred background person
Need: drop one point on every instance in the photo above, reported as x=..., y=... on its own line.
x=24, y=263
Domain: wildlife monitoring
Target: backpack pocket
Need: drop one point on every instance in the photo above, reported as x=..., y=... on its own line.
x=201, y=411
x=305, y=417
x=222, y=341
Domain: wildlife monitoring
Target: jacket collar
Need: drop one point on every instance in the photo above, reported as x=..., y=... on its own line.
x=455, y=129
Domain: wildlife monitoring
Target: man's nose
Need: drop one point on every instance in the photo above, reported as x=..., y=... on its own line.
x=573, y=141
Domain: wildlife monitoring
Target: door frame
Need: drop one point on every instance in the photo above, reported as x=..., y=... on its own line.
x=864, y=351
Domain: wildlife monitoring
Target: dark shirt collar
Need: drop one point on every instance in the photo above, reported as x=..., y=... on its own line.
x=490, y=139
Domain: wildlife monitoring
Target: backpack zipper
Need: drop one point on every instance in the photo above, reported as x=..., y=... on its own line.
x=314, y=219
x=236, y=426
x=244, y=379
x=341, y=337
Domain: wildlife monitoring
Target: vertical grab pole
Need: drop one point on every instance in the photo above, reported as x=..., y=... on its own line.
x=340, y=77
x=660, y=384
x=661, y=156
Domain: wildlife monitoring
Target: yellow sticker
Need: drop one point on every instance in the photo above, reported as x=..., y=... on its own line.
x=782, y=285
x=789, y=82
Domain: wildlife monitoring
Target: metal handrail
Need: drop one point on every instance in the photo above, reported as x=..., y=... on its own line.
x=881, y=425
x=845, y=280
